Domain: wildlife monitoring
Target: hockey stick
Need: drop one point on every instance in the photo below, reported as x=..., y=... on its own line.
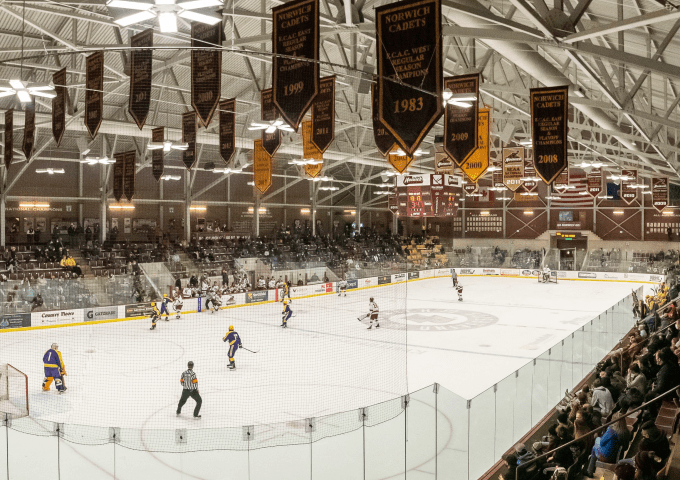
x=251, y=351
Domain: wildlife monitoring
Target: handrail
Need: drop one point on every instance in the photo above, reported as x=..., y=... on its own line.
x=598, y=429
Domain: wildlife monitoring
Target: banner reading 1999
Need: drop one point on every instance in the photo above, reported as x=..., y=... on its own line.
x=409, y=46
x=549, y=131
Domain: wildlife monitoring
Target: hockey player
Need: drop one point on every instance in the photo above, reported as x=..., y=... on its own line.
x=342, y=287
x=459, y=289
x=177, y=304
x=546, y=274
x=286, y=292
x=213, y=302
x=454, y=277
x=155, y=315
x=373, y=314
x=286, y=314
x=234, y=342
x=164, y=307
x=54, y=369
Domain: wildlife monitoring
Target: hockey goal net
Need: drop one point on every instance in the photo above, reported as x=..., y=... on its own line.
x=13, y=391
x=552, y=278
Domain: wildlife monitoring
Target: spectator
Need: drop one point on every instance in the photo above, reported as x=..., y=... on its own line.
x=667, y=377
x=602, y=401
x=645, y=464
x=72, y=235
x=636, y=379
x=624, y=471
x=512, y=473
x=653, y=440
x=37, y=302
x=607, y=447
x=225, y=277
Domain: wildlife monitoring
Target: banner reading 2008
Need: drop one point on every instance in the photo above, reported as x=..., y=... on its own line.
x=549, y=119
x=409, y=69
x=295, y=44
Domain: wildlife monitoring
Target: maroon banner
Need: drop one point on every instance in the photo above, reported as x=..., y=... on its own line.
x=549, y=117
x=323, y=114
x=594, y=182
x=659, y=193
x=140, y=76
x=189, y=136
x=9, y=137
x=497, y=175
x=59, y=106
x=628, y=191
x=227, y=129
x=461, y=139
x=94, y=93
x=130, y=170
x=206, y=69
x=29, y=129
x=118, y=176
x=384, y=140
x=295, y=59
x=157, y=167
x=270, y=141
x=529, y=172
x=562, y=180
x=469, y=188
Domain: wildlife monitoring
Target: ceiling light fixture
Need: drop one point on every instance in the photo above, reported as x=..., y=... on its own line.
x=34, y=205
x=24, y=90
x=418, y=153
x=228, y=170
x=121, y=207
x=167, y=145
x=170, y=177
x=97, y=160
x=461, y=100
x=329, y=189
x=51, y=171
x=303, y=162
x=271, y=127
x=166, y=11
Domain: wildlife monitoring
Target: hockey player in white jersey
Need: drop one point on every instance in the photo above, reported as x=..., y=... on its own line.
x=546, y=274
x=177, y=304
x=459, y=289
x=342, y=287
x=372, y=313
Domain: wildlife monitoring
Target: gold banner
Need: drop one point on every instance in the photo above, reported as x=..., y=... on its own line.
x=262, y=167
x=399, y=162
x=310, y=151
x=476, y=165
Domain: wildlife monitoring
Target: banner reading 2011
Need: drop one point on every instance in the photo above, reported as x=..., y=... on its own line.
x=410, y=70
x=295, y=71
x=549, y=119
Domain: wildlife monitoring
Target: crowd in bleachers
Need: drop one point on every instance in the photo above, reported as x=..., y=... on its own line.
x=660, y=262
x=633, y=446
x=527, y=258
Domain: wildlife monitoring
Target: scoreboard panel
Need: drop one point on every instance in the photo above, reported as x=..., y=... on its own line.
x=427, y=195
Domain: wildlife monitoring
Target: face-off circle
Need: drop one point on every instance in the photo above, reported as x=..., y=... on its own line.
x=438, y=320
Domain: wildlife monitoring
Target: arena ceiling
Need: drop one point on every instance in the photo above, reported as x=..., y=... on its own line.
x=620, y=57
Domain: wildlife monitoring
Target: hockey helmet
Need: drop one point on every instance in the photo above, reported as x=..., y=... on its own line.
x=231, y=328
x=153, y=304
x=285, y=302
x=165, y=295
x=370, y=299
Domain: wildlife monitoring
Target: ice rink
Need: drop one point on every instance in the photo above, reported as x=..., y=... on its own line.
x=121, y=374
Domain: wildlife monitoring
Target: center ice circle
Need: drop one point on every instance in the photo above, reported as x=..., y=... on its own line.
x=439, y=319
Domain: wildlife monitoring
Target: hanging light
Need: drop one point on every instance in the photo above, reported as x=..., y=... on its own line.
x=461, y=100
x=418, y=153
x=303, y=162
x=93, y=160
x=321, y=179
x=166, y=11
x=167, y=145
x=51, y=171
x=228, y=170
x=329, y=189
x=271, y=127
x=170, y=177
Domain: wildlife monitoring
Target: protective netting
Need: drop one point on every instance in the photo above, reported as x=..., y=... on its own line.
x=13, y=391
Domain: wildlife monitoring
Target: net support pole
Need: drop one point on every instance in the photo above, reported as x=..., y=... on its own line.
x=2, y=219
x=256, y=216
x=314, y=192
x=187, y=206
x=80, y=195
x=102, y=203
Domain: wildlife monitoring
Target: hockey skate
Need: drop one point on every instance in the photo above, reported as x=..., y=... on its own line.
x=232, y=366
x=284, y=325
x=153, y=326
x=177, y=317
x=167, y=319
x=460, y=299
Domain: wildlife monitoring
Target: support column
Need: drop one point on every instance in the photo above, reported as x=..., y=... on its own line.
x=229, y=200
x=357, y=198
x=285, y=209
x=160, y=206
x=80, y=194
x=395, y=224
x=256, y=216
x=2, y=220
x=314, y=192
x=187, y=206
x=103, y=187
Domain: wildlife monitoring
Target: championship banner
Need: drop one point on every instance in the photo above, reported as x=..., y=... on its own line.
x=409, y=39
x=227, y=129
x=549, y=117
x=477, y=163
x=399, y=162
x=118, y=174
x=513, y=167
x=270, y=141
x=157, y=135
x=29, y=129
x=262, y=167
x=295, y=62
x=594, y=182
x=130, y=171
x=628, y=191
x=659, y=193
x=94, y=92
x=310, y=151
x=562, y=180
x=384, y=140
x=497, y=176
x=206, y=69
x=140, y=76
x=461, y=137
x=189, y=136
x=469, y=188
x=59, y=106
x=9, y=137
x=323, y=114
x=443, y=164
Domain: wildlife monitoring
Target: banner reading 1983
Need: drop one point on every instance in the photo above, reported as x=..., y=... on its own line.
x=460, y=123
x=549, y=119
x=409, y=46
x=295, y=70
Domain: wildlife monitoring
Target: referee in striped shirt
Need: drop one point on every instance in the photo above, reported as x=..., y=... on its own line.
x=190, y=389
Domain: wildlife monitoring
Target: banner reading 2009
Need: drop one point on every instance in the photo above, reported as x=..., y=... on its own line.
x=460, y=123
x=295, y=44
x=549, y=131
x=410, y=71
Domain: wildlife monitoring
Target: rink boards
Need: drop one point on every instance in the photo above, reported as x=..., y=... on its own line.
x=121, y=313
